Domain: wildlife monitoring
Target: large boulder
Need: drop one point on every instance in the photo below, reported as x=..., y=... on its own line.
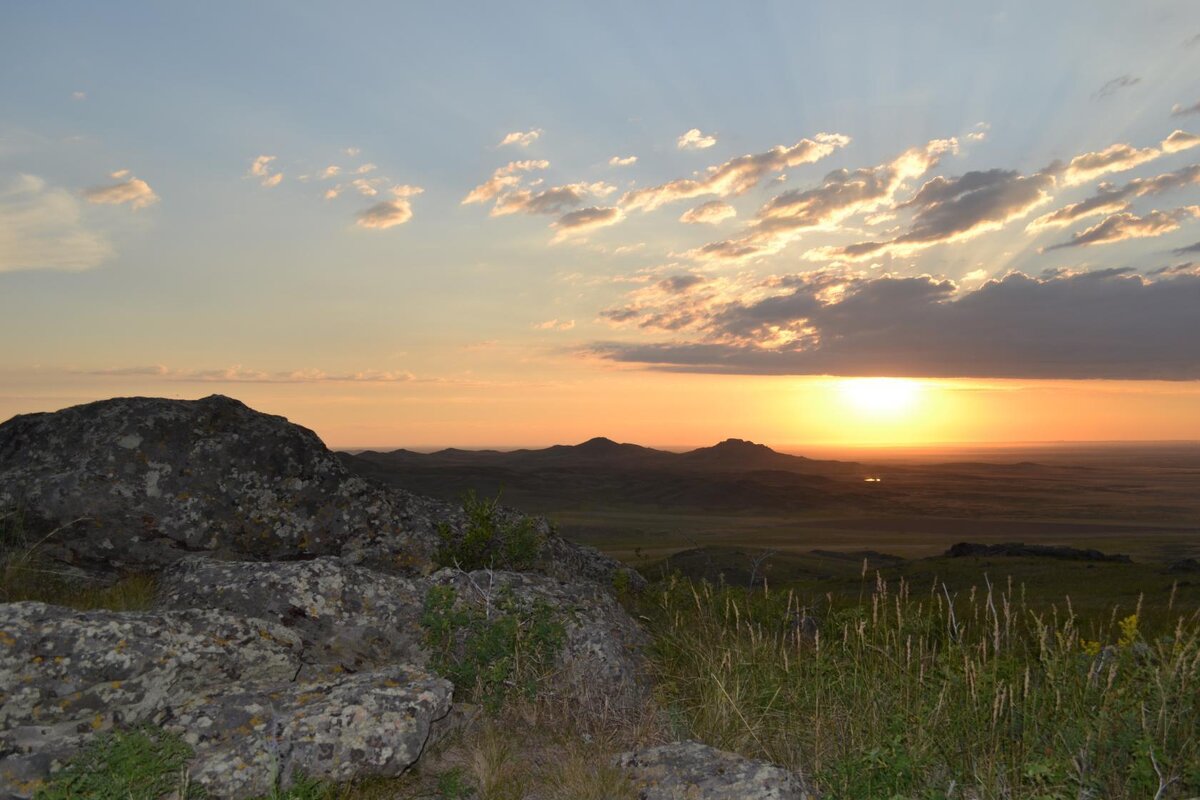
x=138, y=482
x=694, y=771
x=230, y=686
x=345, y=615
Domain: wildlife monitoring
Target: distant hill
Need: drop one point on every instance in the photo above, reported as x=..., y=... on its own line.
x=733, y=475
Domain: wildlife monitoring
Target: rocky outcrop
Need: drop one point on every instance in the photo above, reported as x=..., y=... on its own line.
x=1019, y=550
x=345, y=615
x=600, y=659
x=139, y=483
x=149, y=480
x=231, y=686
x=694, y=771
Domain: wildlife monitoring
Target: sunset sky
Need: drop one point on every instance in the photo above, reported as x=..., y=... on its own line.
x=421, y=224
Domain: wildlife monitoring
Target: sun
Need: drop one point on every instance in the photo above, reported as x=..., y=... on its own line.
x=881, y=397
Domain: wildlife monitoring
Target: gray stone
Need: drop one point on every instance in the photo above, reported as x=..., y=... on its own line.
x=229, y=686
x=601, y=660
x=247, y=737
x=345, y=615
x=693, y=771
x=150, y=480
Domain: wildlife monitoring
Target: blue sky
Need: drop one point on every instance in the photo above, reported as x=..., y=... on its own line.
x=197, y=275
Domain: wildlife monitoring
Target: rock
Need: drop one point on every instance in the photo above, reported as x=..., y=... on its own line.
x=343, y=614
x=248, y=736
x=1017, y=549
x=693, y=771
x=601, y=657
x=138, y=483
x=152, y=479
x=227, y=685
x=66, y=674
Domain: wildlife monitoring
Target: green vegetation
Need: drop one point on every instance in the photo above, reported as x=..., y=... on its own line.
x=26, y=574
x=934, y=694
x=142, y=764
x=487, y=541
x=492, y=653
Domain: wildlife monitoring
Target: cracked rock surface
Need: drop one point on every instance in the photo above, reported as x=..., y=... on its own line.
x=693, y=771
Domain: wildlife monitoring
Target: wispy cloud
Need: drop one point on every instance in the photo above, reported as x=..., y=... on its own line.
x=1126, y=225
x=1115, y=85
x=521, y=138
x=554, y=200
x=79, y=95
x=41, y=228
x=585, y=220
x=711, y=213
x=619, y=161
x=128, y=189
x=695, y=140
x=261, y=168
x=1109, y=198
x=737, y=175
x=555, y=325
x=241, y=374
x=389, y=213
x=503, y=179
x=1179, y=110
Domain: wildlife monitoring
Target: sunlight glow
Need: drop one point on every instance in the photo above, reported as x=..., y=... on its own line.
x=881, y=397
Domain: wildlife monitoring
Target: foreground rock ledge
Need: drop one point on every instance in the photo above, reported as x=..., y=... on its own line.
x=693, y=771
x=227, y=685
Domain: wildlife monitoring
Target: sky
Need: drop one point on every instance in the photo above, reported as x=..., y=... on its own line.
x=484, y=224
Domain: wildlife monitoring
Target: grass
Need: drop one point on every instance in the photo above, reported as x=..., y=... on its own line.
x=27, y=574
x=933, y=694
x=142, y=764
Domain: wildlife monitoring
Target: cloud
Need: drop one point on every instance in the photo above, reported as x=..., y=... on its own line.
x=240, y=374
x=555, y=200
x=1117, y=158
x=843, y=193
x=330, y=172
x=980, y=132
x=695, y=140
x=555, y=325
x=1107, y=324
x=366, y=186
x=956, y=209
x=709, y=213
x=737, y=175
x=79, y=95
x=1109, y=199
x=41, y=228
x=502, y=180
x=1179, y=141
x=1191, y=248
x=261, y=168
x=365, y=168
x=1125, y=225
x=386, y=214
x=352, y=151
x=134, y=191
x=1179, y=110
x=585, y=220
x=679, y=284
x=1116, y=85
x=618, y=161
x=521, y=138
x=406, y=190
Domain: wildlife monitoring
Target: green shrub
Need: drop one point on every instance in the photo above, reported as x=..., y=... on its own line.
x=491, y=656
x=487, y=541
x=142, y=764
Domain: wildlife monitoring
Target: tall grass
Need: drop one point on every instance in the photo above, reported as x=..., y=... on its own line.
x=931, y=695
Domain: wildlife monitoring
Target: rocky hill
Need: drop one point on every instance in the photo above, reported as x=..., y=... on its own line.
x=307, y=621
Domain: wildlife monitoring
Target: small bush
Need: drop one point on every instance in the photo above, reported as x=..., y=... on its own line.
x=487, y=541
x=142, y=764
x=491, y=655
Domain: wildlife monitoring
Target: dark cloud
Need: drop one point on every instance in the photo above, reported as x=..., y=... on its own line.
x=951, y=209
x=1116, y=85
x=1179, y=110
x=1191, y=248
x=1108, y=324
x=586, y=219
x=678, y=284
